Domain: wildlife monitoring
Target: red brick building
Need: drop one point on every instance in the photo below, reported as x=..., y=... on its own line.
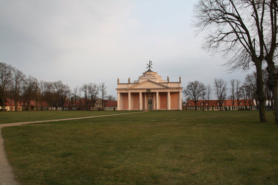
x=220, y=105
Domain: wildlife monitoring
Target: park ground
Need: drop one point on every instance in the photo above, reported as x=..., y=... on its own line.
x=143, y=148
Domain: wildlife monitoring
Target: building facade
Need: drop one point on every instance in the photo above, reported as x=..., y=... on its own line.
x=149, y=92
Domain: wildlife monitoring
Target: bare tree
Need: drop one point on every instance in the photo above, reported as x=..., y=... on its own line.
x=47, y=91
x=233, y=92
x=269, y=92
x=111, y=98
x=195, y=90
x=18, y=84
x=237, y=92
x=232, y=30
x=93, y=91
x=5, y=82
x=62, y=92
x=55, y=94
x=42, y=95
x=203, y=99
x=208, y=94
x=269, y=40
x=30, y=92
x=244, y=95
x=74, y=98
x=84, y=89
x=221, y=91
x=90, y=92
x=250, y=88
x=103, y=93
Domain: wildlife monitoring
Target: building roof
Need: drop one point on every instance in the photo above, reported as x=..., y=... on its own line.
x=150, y=75
x=149, y=80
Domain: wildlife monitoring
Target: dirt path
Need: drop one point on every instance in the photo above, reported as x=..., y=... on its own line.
x=6, y=173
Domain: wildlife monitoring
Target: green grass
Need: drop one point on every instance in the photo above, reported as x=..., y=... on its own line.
x=147, y=148
x=10, y=117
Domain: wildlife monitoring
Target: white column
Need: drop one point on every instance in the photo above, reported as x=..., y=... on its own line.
x=129, y=101
x=118, y=101
x=169, y=101
x=157, y=101
x=180, y=100
x=140, y=100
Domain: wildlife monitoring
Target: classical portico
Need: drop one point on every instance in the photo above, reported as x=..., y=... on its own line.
x=149, y=92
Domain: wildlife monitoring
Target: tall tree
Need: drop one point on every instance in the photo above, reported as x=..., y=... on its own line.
x=268, y=91
x=30, y=92
x=233, y=31
x=270, y=41
x=221, y=91
x=18, y=84
x=233, y=92
x=84, y=89
x=208, y=94
x=103, y=93
x=47, y=91
x=244, y=95
x=248, y=90
x=93, y=91
x=195, y=90
x=237, y=93
x=62, y=92
x=5, y=82
x=74, y=99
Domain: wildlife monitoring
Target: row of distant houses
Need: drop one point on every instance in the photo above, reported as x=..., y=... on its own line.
x=68, y=105
x=220, y=105
x=112, y=105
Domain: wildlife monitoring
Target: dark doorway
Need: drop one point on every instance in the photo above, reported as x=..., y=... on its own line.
x=149, y=99
x=150, y=103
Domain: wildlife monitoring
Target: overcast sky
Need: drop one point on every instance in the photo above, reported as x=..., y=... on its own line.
x=82, y=41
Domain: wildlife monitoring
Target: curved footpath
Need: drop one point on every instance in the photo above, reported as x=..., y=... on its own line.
x=6, y=174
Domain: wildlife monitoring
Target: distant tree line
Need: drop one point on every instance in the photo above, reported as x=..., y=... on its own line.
x=237, y=91
x=23, y=90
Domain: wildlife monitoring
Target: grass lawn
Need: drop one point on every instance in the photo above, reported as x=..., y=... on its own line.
x=10, y=117
x=147, y=148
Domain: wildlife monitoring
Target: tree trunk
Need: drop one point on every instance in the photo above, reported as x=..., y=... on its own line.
x=260, y=92
x=274, y=87
x=16, y=102
x=275, y=95
x=273, y=84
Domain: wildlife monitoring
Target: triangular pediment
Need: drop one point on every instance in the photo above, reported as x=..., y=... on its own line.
x=148, y=85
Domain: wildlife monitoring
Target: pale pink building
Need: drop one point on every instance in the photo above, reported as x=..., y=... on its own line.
x=149, y=92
